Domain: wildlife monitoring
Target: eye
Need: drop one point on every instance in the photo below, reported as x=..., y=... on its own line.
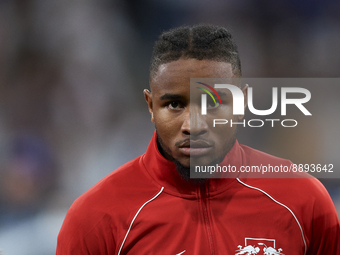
x=211, y=104
x=175, y=105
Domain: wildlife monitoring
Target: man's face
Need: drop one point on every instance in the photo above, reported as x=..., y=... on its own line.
x=183, y=132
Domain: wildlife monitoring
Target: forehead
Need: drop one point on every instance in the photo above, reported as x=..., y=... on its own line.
x=178, y=73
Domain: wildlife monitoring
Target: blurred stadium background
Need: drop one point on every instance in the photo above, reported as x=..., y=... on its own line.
x=71, y=103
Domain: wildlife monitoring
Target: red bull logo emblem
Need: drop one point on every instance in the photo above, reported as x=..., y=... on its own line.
x=257, y=246
x=247, y=250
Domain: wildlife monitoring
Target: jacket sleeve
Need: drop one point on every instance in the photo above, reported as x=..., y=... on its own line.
x=325, y=236
x=86, y=234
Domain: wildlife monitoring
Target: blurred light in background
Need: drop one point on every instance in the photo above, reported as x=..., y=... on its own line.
x=71, y=80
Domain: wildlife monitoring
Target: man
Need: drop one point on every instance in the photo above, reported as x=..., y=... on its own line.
x=151, y=206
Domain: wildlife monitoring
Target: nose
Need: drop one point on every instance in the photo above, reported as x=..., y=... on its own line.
x=194, y=123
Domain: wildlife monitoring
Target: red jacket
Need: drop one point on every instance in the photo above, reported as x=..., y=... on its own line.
x=144, y=207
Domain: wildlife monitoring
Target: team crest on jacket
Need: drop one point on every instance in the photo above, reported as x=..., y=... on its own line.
x=258, y=246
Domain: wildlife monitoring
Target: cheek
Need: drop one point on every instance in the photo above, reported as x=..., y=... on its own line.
x=221, y=115
x=168, y=125
x=222, y=132
x=227, y=111
x=222, y=112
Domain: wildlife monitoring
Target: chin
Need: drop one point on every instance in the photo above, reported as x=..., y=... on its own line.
x=184, y=163
x=204, y=160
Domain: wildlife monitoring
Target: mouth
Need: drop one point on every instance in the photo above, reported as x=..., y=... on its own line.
x=195, y=148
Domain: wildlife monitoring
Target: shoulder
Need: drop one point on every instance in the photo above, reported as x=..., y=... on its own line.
x=288, y=183
x=308, y=203
x=107, y=205
x=306, y=199
x=118, y=191
x=253, y=156
x=298, y=190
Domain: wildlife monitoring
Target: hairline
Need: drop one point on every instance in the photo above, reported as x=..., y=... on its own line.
x=187, y=58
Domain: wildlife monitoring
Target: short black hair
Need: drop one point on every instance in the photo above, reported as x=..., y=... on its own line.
x=202, y=42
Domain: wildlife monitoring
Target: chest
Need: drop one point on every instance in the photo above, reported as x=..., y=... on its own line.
x=219, y=225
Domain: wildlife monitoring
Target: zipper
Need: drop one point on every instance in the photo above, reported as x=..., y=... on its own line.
x=203, y=201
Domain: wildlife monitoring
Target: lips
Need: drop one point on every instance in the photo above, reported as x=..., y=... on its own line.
x=195, y=148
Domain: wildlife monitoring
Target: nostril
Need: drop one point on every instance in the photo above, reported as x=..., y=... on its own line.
x=186, y=132
x=196, y=133
x=201, y=132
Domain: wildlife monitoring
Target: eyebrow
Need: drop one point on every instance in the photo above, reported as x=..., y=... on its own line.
x=221, y=93
x=170, y=96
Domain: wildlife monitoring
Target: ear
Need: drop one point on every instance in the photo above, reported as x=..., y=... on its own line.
x=245, y=95
x=148, y=99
